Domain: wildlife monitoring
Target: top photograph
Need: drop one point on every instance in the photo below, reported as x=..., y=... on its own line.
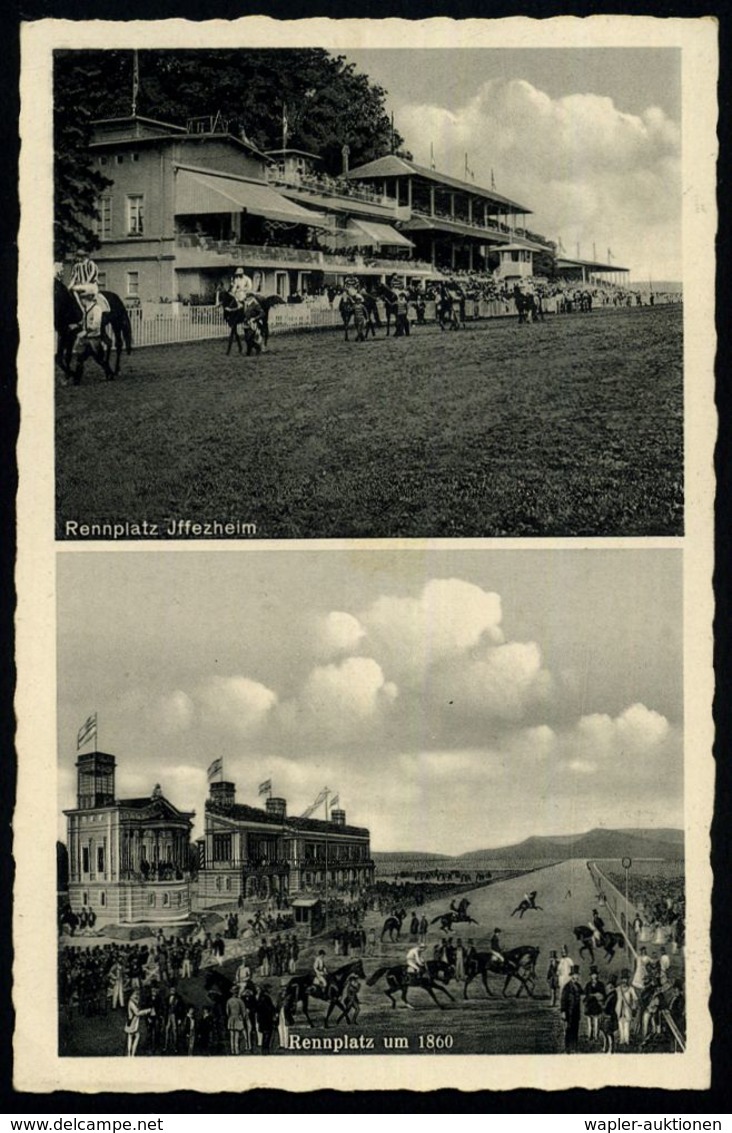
x=303, y=293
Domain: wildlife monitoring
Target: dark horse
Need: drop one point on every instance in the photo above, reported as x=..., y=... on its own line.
x=301, y=988
x=447, y=920
x=346, y=310
x=393, y=925
x=518, y=964
x=398, y=980
x=608, y=940
x=525, y=305
x=390, y=299
x=525, y=904
x=256, y=329
x=448, y=309
x=67, y=319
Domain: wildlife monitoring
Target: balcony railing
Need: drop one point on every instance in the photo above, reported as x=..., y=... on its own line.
x=203, y=251
x=325, y=186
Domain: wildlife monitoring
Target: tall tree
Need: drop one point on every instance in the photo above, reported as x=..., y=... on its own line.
x=328, y=105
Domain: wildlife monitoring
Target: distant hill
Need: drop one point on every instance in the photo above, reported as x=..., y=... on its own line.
x=666, y=843
x=598, y=843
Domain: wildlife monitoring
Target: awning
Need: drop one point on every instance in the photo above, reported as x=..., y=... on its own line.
x=200, y=193
x=458, y=228
x=370, y=233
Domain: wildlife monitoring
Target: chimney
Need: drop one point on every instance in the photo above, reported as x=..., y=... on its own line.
x=276, y=807
x=345, y=153
x=338, y=817
x=222, y=794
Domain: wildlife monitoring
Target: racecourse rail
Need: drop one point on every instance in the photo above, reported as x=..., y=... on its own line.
x=164, y=324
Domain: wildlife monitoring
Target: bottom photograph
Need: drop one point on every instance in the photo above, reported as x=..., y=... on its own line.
x=370, y=801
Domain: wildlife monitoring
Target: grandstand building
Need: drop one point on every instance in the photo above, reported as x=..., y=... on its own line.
x=190, y=204
x=248, y=851
x=128, y=859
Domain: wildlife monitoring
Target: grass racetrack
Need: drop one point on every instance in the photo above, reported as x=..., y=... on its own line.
x=569, y=427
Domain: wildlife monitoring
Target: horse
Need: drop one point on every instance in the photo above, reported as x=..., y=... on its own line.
x=518, y=964
x=235, y=316
x=525, y=904
x=390, y=299
x=447, y=315
x=346, y=309
x=447, y=920
x=398, y=979
x=301, y=988
x=67, y=320
x=393, y=925
x=525, y=305
x=609, y=941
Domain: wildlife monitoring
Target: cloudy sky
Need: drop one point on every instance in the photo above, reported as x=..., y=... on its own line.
x=588, y=138
x=455, y=700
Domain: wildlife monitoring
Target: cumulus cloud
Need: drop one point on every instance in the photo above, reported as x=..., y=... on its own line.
x=339, y=632
x=236, y=703
x=587, y=170
x=502, y=683
x=447, y=619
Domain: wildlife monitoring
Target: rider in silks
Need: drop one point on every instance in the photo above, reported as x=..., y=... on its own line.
x=320, y=972
x=242, y=291
x=416, y=963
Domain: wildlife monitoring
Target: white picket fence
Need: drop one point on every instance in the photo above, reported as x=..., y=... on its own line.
x=194, y=324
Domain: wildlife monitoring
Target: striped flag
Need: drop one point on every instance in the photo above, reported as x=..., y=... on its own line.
x=215, y=768
x=334, y=801
x=86, y=731
x=265, y=788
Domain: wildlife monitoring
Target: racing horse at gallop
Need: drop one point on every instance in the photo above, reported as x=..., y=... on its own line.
x=399, y=980
x=302, y=988
x=67, y=320
x=517, y=964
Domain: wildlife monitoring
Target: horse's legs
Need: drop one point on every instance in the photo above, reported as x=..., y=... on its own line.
x=304, y=1001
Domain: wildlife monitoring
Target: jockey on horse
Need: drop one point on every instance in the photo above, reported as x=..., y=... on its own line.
x=243, y=291
x=85, y=281
x=416, y=963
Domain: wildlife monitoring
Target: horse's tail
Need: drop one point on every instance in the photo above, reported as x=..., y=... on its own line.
x=376, y=976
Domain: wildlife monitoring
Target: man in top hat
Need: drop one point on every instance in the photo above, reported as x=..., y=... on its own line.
x=594, y=1000
x=570, y=1003
x=625, y=1007
x=552, y=977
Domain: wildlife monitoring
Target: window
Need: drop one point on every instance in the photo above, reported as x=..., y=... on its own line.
x=151, y=900
x=119, y=158
x=102, y=280
x=166, y=900
x=85, y=859
x=281, y=284
x=100, y=859
x=85, y=898
x=135, y=214
x=134, y=157
x=222, y=847
x=102, y=898
x=102, y=161
x=104, y=221
x=133, y=284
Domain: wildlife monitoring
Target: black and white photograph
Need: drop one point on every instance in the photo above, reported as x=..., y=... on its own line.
x=383, y=802
x=305, y=293
x=365, y=555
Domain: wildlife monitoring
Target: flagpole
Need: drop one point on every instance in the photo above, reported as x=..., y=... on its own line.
x=135, y=82
x=96, y=733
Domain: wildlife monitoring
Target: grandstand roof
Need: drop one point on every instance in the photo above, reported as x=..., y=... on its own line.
x=445, y=224
x=595, y=265
x=393, y=166
x=242, y=812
